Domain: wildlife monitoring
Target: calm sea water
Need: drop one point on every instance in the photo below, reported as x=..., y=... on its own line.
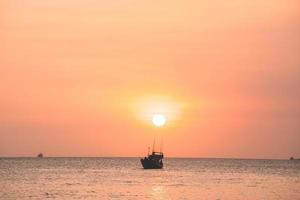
x=123, y=178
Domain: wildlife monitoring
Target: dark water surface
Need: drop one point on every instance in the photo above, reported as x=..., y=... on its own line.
x=123, y=178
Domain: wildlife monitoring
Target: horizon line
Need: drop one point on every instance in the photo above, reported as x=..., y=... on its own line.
x=172, y=157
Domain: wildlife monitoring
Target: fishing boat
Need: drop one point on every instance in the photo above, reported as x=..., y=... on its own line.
x=153, y=161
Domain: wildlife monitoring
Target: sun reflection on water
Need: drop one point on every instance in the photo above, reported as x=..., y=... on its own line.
x=159, y=193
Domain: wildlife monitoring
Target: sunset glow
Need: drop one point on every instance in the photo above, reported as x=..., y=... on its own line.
x=84, y=78
x=159, y=120
x=149, y=99
x=170, y=107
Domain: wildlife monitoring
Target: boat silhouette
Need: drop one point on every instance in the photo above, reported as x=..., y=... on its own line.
x=153, y=161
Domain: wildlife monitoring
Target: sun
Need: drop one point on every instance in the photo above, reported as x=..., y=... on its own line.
x=159, y=120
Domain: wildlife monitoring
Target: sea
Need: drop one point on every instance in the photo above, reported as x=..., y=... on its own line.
x=124, y=178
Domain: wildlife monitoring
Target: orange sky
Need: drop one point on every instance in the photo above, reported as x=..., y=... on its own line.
x=83, y=78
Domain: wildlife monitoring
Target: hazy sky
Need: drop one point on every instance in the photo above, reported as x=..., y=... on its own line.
x=83, y=78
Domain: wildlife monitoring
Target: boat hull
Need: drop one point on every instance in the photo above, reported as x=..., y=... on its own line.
x=151, y=164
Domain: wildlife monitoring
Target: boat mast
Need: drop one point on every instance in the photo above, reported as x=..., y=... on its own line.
x=153, y=150
x=161, y=146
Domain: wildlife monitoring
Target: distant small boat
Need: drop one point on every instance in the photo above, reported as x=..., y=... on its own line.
x=40, y=155
x=153, y=161
x=292, y=158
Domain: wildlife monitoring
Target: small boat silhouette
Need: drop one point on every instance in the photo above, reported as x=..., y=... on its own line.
x=153, y=161
x=40, y=155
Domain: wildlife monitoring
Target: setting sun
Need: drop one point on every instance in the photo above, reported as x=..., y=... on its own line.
x=159, y=120
x=207, y=91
